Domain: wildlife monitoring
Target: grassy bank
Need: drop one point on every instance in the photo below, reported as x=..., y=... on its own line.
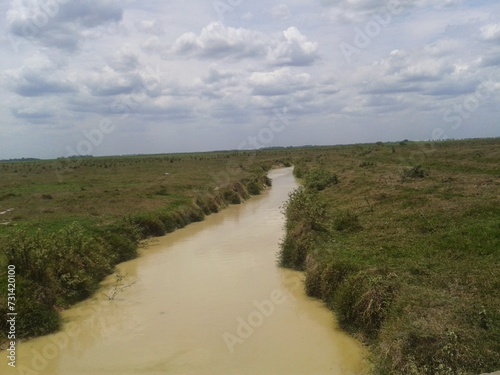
x=65, y=224
x=402, y=241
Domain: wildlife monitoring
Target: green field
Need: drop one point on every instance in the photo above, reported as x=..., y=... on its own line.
x=402, y=241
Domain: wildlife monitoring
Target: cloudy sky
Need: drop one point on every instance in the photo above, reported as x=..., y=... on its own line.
x=108, y=77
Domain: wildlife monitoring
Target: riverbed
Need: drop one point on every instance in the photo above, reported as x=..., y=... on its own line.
x=206, y=299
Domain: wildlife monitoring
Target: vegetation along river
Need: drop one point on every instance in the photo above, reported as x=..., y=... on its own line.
x=206, y=299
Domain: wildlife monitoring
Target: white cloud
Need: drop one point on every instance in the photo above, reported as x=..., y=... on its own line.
x=217, y=41
x=293, y=49
x=491, y=32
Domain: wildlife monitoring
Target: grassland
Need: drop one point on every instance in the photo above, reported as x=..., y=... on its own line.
x=402, y=241
x=66, y=223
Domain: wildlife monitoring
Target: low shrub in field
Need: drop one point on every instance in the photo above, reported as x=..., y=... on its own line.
x=320, y=179
x=412, y=173
x=300, y=170
x=367, y=164
x=347, y=221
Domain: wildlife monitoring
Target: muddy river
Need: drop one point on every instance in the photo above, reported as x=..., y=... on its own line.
x=206, y=299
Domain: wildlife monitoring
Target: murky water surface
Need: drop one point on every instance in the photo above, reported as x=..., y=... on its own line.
x=206, y=299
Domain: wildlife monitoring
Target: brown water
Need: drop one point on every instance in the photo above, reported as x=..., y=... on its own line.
x=207, y=299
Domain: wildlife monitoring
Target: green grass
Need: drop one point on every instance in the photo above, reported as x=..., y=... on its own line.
x=410, y=256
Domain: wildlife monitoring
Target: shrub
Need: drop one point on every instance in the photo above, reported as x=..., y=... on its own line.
x=267, y=181
x=367, y=164
x=412, y=173
x=230, y=196
x=253, y=187
x=320, y=179
x=150, y=225
x=305, y=217
x=169, y=220
x=295, y=247
x=162, y=191
x=122, y=240
x=364, y=298
x=323, y=278
x=207, y=203
x=347, y=221
x=307, y=208
x=195, y=214
x=300, y=170
x=35, y=305
x=81, y=261
x=55, y=269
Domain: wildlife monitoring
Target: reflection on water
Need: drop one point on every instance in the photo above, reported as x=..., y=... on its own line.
x=207, y=299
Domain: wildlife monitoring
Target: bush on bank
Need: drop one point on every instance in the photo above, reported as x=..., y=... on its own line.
x=306, y=218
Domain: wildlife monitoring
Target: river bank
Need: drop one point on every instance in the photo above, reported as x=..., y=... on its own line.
x=406, y=255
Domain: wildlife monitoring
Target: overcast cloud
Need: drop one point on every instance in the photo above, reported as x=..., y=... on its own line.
x=175, y=76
